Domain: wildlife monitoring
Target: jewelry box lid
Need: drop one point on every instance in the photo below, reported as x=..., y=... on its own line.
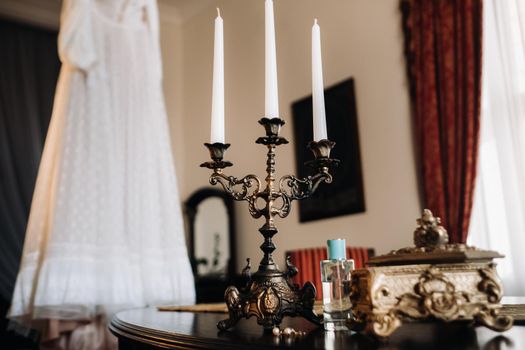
x=432, y=247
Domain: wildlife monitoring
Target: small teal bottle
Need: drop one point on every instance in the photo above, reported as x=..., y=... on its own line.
x=335, y=275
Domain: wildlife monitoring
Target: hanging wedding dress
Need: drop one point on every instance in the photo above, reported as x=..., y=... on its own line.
x=105, y=230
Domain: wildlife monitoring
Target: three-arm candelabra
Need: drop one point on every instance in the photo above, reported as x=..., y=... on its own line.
x=270, y=293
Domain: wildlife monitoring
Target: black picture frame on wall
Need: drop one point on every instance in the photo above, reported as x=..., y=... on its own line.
x=346, y=194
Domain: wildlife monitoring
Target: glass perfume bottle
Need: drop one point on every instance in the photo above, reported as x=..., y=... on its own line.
x=335, y=275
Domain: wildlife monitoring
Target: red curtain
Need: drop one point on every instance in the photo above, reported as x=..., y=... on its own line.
x=443, y=48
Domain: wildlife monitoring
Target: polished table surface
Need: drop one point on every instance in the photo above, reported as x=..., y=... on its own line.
x=148, y=328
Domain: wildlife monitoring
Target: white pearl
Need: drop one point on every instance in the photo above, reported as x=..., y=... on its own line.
x=287, y=331
x=276, y=331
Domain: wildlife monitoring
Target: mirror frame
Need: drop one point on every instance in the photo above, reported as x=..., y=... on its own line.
x=191, y=207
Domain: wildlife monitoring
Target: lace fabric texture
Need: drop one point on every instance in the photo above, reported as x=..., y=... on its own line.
x=105, y=230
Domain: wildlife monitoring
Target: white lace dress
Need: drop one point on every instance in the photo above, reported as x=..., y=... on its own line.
x=105, y=230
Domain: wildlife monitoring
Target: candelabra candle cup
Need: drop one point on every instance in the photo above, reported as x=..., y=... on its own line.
x=321, y=149
x=217, y=150
x=272, y=126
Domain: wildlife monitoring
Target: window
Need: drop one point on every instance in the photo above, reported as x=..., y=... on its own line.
x=498, y=216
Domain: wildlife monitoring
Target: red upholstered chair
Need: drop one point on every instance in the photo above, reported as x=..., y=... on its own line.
x=307, y=261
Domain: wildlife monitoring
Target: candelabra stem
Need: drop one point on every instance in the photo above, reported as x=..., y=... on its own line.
x=267, y=247
x=268, y=230
x=270, y=167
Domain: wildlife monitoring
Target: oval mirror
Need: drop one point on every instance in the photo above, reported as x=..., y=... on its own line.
x=211, y=222
x=211, y=237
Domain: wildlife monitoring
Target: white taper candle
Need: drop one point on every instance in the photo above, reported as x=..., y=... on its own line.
x=319, y=114
x=217, y=104
x=271, y=92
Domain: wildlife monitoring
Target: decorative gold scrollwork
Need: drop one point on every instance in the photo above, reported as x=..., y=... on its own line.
x=269, y=302
x=230, y=182
x=490, y=318
x=249, y=189
x=302, y=188
x=490, y=284
x=434, y=296
x=384, y=325
x=254, y=210
x=284, y=210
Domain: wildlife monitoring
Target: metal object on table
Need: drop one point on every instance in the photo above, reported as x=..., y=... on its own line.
x=432, y=281
x=270, y=293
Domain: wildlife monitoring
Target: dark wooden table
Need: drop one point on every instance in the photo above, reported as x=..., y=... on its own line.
x=150, y=329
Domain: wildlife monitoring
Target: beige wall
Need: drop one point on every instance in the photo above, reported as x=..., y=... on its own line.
x=172, y=49
x=361, y=38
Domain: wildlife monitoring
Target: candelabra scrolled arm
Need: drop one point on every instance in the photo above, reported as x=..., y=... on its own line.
x=255, y=212
x=269, y=210
x=285, y=208
x=249, y=185
x=297, y=189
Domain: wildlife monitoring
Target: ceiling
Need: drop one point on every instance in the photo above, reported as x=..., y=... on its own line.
x=46, y=13
x=186, y=9
x=43, y=13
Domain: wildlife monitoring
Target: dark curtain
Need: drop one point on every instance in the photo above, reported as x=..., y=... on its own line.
x=443, y=48
x=29, y=68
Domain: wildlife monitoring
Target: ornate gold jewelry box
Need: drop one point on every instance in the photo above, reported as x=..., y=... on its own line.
x=433, y=281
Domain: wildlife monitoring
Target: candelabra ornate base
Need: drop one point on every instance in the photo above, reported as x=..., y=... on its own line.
x=433, y=281
x=270, y=293
x=269, y=296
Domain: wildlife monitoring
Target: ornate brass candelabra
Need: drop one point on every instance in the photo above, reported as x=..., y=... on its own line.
x=270, y=293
